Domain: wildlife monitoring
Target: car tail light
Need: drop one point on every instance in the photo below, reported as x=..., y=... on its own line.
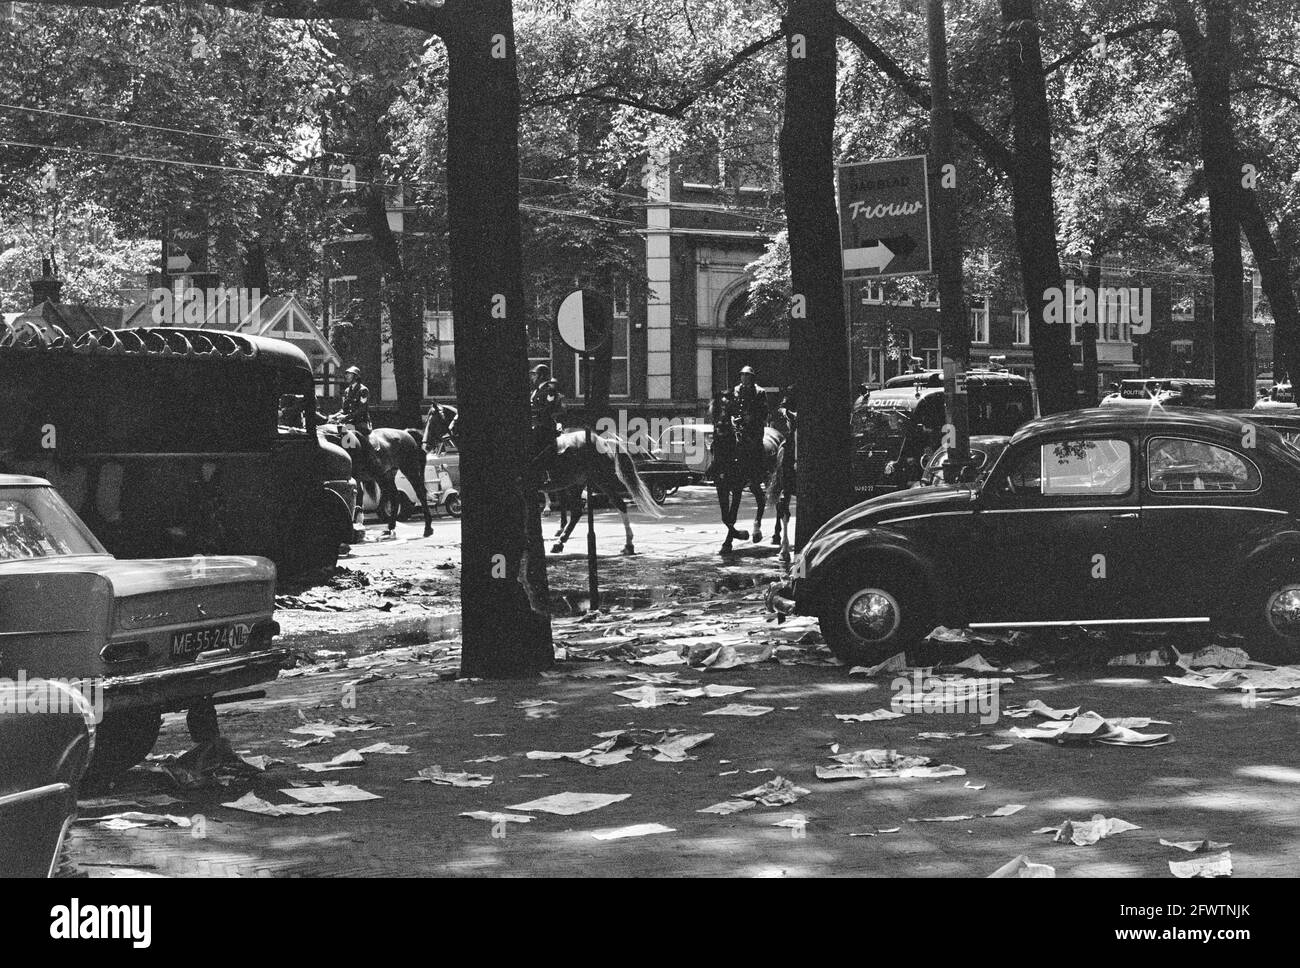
x=124, y=651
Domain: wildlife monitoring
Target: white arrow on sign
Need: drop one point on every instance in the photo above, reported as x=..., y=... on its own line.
x=178, y=263
x=872, y=257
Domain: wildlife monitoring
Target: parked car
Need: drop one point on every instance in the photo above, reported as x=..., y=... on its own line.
x=1163, y=392
x=1101, y=517
x=897, y=428
x=162, y=634
x=1278, y=397
x=692, y=445
x=663, y=475
x=42, y=758
x=984, y=452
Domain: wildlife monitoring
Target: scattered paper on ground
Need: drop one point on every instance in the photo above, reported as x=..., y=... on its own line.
x=436, y=774
x=1022, y=866
x=567, y=804
x=1215, y=865
x=251, y=803
x=1083, y=833
x=775, y=792
x=895, y=663
x=870, y=717
x=1194, y=846
x=636, y=830
x=880, y=763
x=740, y=709
x=330, y=793
x=344, y=761
x=728, y=806
x=497, y=817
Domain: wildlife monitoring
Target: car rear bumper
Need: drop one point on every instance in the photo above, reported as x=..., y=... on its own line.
x=176, y=686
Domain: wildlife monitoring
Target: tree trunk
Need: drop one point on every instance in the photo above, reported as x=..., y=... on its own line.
x=1275, y=280
x=405, y=320
x=1034, y=214
x=1207, y=55
x=818, y=342
x=505, y=626
x=1088, y=332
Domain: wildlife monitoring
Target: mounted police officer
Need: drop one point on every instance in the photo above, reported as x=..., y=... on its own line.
x=749, y=402
x=354, y=409
x=355, y=406
x=546, y=405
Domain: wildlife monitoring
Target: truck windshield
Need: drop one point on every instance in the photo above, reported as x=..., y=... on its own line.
x=36, y=523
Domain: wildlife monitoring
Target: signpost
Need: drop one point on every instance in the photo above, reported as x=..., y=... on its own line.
x=583, y=322
x=885, y=217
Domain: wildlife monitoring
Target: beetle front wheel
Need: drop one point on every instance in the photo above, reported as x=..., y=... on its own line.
x=867, y=618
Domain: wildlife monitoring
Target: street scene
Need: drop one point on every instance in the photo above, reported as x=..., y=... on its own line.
x=746, y=439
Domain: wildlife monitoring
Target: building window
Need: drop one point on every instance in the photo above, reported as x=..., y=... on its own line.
x=929, y=347
x=873, y=294
x=1112, y=310
x=439, y=355
x=343, y=290
x=1020, y=327
x=1182, y=301
x=622, y=297
x=931, y=299
x=979, y=322
x=618, y=368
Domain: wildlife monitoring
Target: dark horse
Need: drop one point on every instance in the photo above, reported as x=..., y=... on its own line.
x=744, y=456
x=604, y=463
x=440, y=425
x=390, y=451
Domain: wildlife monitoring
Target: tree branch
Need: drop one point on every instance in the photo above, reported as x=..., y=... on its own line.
x=678, y=107
x=998, y=154
x=1156, y=23
x=401, y=13
x=1265, y=86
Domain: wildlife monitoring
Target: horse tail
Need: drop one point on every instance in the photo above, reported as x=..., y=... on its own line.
x=625, y=469
x=777, y=481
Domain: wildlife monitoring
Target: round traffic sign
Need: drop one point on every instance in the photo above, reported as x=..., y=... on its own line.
x=583, y=321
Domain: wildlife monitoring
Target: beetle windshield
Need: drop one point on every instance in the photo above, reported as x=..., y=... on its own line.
x=36, y=523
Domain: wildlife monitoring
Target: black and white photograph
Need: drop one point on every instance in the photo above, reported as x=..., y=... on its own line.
x=678, y=439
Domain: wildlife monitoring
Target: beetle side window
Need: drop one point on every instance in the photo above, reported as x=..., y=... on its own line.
x=1066, y=468
x=1176, y=464
x=1086, y=467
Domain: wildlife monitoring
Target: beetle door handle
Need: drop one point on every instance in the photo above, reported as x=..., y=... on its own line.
x=1124, y=516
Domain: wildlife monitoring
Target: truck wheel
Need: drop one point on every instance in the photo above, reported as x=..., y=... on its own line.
x=326, y=525
x=452, y=504
x=122, y=739
x=866, y=617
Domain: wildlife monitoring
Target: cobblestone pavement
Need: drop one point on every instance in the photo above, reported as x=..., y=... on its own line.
x=1231, y=774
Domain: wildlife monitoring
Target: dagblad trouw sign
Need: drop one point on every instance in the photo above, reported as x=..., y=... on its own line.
x=885, y=217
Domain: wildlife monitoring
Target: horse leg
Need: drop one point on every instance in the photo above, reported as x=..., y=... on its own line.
x=571, y=501
x=415, y=474
x=617, y=501
x=388, y=502
x=783, y=525
x=756, y=489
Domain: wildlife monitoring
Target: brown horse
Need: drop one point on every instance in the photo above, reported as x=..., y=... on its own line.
x=744, y=457
x=604, y=463
x=390, y=451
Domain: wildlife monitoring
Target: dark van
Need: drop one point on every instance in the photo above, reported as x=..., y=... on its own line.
x=896, y=428
x=175, y=442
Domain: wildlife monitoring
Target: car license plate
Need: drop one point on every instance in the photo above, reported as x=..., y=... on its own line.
x=191, y=642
